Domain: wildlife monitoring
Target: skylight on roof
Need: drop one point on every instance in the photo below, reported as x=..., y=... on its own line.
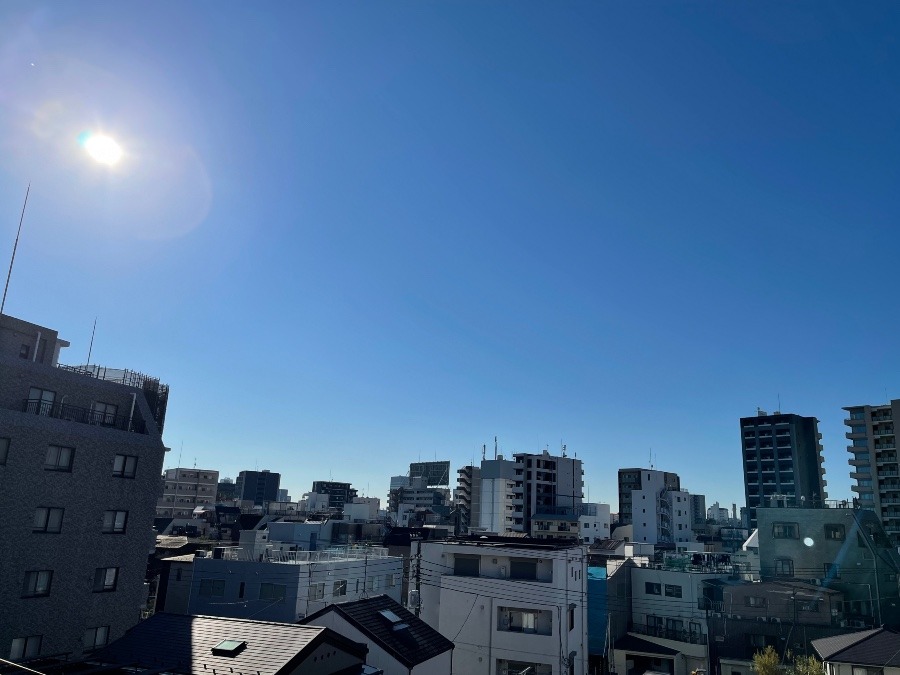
x=229, y=648
x=390, y=616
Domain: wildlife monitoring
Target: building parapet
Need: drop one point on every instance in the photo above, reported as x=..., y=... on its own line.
x=271, y=555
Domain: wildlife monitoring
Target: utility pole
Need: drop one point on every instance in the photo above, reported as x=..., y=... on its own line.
x=419, y=576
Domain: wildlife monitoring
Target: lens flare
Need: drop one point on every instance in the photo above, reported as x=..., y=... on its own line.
x=102, y=148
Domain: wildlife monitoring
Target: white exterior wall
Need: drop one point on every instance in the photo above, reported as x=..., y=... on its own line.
x=595, y=528
x=496, y=505
x=365, y=576
x=680, y=504
x=466, y=609
x=362, y=509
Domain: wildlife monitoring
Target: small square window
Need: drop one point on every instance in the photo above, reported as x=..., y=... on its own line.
x=834, y=531
x=125, y=466
x=673, y=591
x=114, y=522
x=106, y=579
x=4, y=450
x=832, y=571
x=24, y=351
x=340, y=588
x=37, y=584
x=48, y=519
x=651, y=588
x=59, y=458
x=212, y=588
x=784, y=567
x=94, y=638
x=272, y=591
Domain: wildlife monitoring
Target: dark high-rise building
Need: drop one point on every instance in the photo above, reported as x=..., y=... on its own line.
x=257, y=486
x=782, y=462
x=630, y=479
x=338, y=493
x=81, y=454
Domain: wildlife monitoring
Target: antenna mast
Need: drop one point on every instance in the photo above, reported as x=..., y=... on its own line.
x=15, y=246
x=91, y=347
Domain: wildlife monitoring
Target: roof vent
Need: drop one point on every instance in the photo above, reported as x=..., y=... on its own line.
x=229, y=648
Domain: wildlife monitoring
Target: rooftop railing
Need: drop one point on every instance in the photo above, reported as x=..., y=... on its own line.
x=72, y=413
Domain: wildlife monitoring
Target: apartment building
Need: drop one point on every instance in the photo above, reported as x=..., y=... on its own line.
x=288, y=585
x=545, y=485
x=783, y=461
x=338, y=493
x=509, y=605
x=874, y=462
x=184, y=489
x=498, y=483
x=81, y=454
x=468, y=497
x=632, y=479
x=258, y=487
x=659, y=510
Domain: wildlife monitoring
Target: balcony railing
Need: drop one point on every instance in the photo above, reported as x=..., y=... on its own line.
x=680, y=635
x=64, y=411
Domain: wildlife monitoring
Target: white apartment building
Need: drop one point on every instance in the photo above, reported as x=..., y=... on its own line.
x=507, y=605
x=594, y=523
x=184, y=489
x=288, y=585
x=498, y=482
x=660, y=514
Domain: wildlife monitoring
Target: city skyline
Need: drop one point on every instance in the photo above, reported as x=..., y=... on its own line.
x=350, y=237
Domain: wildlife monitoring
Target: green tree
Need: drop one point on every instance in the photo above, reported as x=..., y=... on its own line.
x=767, y=662
x=807, y=665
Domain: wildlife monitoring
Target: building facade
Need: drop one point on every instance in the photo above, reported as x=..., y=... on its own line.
x=660, y=513
x=783, y=462
x=338, y=493
x=874, y=462
x=631, y=479
x=468, y=497
x=258, y=487
x=81, y=454
x=184, y=490
x=545, y=484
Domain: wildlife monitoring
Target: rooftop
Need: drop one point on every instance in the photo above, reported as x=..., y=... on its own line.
x=879, y=647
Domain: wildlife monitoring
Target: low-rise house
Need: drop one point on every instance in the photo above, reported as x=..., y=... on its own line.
x=508, y=604
x=176, y=643
x=863, y=653
x=399, y=642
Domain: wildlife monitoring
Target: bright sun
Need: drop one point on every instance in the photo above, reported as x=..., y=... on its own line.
x=102, y=148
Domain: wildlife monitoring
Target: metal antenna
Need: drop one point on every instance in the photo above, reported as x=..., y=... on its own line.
x=15, y=246
x=91, y=347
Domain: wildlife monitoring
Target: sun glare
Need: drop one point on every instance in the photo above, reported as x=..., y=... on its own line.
x=102, y=148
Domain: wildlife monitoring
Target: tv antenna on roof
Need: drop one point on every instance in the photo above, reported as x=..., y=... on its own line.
x=15, y=246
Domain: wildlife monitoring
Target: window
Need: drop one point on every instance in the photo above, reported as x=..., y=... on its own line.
x=212, y=588
x=518, y=620
x=94, y=638
x=785, y=531
x=59, y=458
x=784, y=567
x=523, y=569
x=37, y=584
x=40, y=401
x=370, y=584
x=673, y=591
x=106, y=578
x=114, y=522
x=340, y=588
x=809, y=606
x=860, y=443
x=651, y=588
x=48, y=519
x=466, y=565
x=25, y=647
x=389, y=580
x=4, y=450
x=832, y=571
x=755, y=601
x=104, y=413
x=272, y=591
x=125, y=466
x=571, y=617
x=241, y=588
x=317, y=590
x=24, y=351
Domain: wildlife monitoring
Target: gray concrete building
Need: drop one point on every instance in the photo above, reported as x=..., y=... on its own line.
x=468, y=497
x=629, y=480
x=184, y=489
x=873, y=461
x=81, y=454
x=258, y=487
x=783, y=463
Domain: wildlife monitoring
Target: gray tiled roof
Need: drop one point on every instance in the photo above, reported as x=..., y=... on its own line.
x=183, y=644
x=878, y=647
x=419, y=643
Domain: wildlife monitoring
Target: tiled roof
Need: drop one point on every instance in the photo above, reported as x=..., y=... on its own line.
x=411, y=646
x=632, y=643
x=183, y=644
x=878, y=647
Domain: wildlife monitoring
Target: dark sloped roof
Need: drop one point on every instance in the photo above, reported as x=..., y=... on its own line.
x=411, y=646
x=632, y=643
x=183, y=644
x=878, y=647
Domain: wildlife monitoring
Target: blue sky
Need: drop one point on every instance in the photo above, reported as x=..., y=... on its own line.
x=350, y=235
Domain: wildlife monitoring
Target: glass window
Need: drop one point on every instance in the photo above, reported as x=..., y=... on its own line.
x=860, y=443
x=104, y=413
x=105, y=579
x=523, y=569
x=466, y=565
x=784, y=567
x=673, y=591
x=834, y=531
x=755, y=601
x=48, y=519
x=25, y=647
x=652, y=588
x=125, y=466
x=832, y=571
x=339, y=588
x=59, y=458
x=272, y=591
x=94, y=638
x=212, y=588
x=40, y=401
x=37, y=584
x=114, y=522
x=858, y=429
x=317, y=591
x=785, y=531
x=4, y=450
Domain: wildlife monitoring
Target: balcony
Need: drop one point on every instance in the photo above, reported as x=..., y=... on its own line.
x=668, y=633
x=72, y=413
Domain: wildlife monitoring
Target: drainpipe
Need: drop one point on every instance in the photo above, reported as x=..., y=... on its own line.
x=131, y=414
x=37, y=343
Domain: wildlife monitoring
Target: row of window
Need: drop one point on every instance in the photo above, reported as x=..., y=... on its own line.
x=653, y=588
x=215, y=588
x=834, y=531
x=30, y=647
x=38, y=582
x=62, y=458
x=49, y=520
